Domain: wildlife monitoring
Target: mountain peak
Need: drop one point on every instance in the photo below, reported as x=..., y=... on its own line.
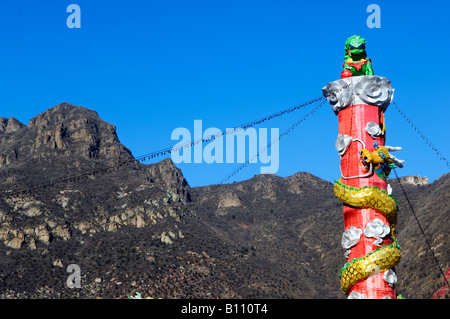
x=61, y=112
x=65, y=131
x=10, y=125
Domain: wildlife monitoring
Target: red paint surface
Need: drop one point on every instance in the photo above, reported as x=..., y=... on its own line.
x=441, y=292
x=353, y=121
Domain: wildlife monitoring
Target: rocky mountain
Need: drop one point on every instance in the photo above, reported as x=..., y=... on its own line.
x=71, y=193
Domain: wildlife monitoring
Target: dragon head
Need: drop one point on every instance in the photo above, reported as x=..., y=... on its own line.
x=355, y=48
x=366, y=155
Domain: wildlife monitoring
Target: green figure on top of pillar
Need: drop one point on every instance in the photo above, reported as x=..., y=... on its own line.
x=356, y=61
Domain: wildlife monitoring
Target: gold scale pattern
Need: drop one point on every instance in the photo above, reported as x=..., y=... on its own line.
x=381, y=259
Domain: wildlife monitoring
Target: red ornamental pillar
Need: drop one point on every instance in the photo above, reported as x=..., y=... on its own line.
x=369, y=210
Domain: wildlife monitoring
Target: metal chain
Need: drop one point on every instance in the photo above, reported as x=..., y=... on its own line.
x=434, y=148
x=289, y=130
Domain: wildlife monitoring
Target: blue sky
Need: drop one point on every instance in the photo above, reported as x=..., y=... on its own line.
x=149, y=67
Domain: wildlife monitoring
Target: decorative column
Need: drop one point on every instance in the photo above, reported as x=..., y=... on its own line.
x=370, y=212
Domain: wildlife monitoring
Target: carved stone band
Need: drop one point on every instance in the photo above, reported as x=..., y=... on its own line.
x=364, y=89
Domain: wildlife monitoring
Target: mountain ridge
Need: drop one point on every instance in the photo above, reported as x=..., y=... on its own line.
x=141, y=227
